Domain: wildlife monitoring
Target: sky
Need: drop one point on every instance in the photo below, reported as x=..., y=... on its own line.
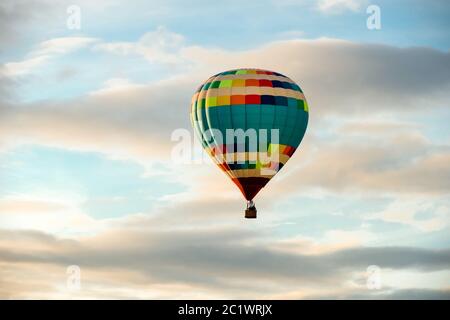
x=89, y=180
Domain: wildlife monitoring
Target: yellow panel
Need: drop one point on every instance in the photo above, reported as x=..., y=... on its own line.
x=223, y=100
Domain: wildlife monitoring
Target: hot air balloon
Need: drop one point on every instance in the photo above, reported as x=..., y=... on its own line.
x=230, y=108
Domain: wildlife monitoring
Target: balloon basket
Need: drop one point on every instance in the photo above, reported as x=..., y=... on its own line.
x=250, y=213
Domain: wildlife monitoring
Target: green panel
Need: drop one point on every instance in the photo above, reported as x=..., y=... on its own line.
x=214, y=123
x=267, y=116
x=280, y=116
x=253, y=114
x=292, y=102
x=293, y=122
x=290, y=124
x=238, y=116
x=225, y=117
x=300, y=128
x=203, y=124
x=225, y=84
x=215, y=84
x=211, y=102
x=196, y=124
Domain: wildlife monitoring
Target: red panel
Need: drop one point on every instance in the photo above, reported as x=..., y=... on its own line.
x=252, y=99
x=252, y=83
x=288, y=150
x=223, y=166
x=237, y=99
x=265, y=83
x=291, y=151
x=250, y=186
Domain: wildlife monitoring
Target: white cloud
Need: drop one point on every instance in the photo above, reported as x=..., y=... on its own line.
x=57, y=214
x=159, y=46
x=60, y=46
x=406, y=211
x=338, y=6
x=331, y=241
x=13, y=69
x=195, y=241
x=141, y=117
x=44, y=52
x=207, y=260
x=117, y=85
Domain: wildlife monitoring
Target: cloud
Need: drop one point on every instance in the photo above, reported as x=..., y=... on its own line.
x=38, y=213
x=389, y=163
x=13, y=16
x=358, y=79
x=134, y=121
x=19, y=206
x=332, y=240
x=131, y=123
x=407, y=211
x=325, y=6
x=116, y=85
x=22, y=21
x=338, y=6
x=204, y=259
x=367, y=135
x=400, y=294
x=59, y=46
x=13, y=69
x=159, y=46
x=45, y=51
x=378, y=128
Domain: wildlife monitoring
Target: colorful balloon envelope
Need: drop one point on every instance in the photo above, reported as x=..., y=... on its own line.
x=250, y=121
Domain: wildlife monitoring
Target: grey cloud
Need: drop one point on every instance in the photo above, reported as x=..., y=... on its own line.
x=10, y=14
x=7, y=87
x=418, y=294
x=138, y=121
x=393, y=257
x=368, y=79
x=392, y=294
x=400, y=162
x=219, y=256
x=341, y=77
x=20, y=18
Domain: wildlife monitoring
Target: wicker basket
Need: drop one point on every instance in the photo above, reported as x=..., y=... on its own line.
x=250, y=213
